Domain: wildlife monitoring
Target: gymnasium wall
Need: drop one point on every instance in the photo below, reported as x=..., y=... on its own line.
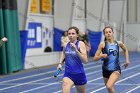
x=132, y=36
x=63, y=14
x=47, y=33
x=68, y=13
x=41, y=60
x=36, y=57
x=97, y=14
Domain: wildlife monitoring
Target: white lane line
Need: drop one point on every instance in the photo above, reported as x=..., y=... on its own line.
x=116, y=82
x=133, y=89
x=59, y=82
x=26, y=77
x=122, y=84
x=102, y=77
x=86, y=65
x=40, y=80
x=36, y=80
x=37, y=75
x=87, y=83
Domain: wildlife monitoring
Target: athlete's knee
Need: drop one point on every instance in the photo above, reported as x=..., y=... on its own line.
x=65, y=84
x=66, y=87
x=109, y=87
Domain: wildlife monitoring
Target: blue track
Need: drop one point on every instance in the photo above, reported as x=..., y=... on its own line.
x=42, y=80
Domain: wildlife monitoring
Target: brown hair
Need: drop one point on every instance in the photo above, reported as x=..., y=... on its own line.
x=76, y=29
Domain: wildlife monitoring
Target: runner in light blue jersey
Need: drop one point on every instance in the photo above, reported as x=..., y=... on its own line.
x=110, y=53
x=112, y=62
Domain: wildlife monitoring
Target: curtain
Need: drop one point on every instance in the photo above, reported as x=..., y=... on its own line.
x=94, y=39
x=10, y=52
x=57, y=39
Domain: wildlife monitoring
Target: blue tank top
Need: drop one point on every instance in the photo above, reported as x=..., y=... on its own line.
x=73, y=63
x=112, y=62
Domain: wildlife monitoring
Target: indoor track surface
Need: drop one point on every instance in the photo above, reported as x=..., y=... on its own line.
x=41, y=80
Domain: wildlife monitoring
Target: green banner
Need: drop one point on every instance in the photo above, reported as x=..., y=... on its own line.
x=3, y=62
x=11, y=53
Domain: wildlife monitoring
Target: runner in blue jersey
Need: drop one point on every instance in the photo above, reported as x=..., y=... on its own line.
x=74, y=54
x=110, y=53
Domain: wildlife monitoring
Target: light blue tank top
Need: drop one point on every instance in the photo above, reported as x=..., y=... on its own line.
x=73, y=63
x=112, y=62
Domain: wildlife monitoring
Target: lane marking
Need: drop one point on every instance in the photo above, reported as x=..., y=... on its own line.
x=116, y=82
